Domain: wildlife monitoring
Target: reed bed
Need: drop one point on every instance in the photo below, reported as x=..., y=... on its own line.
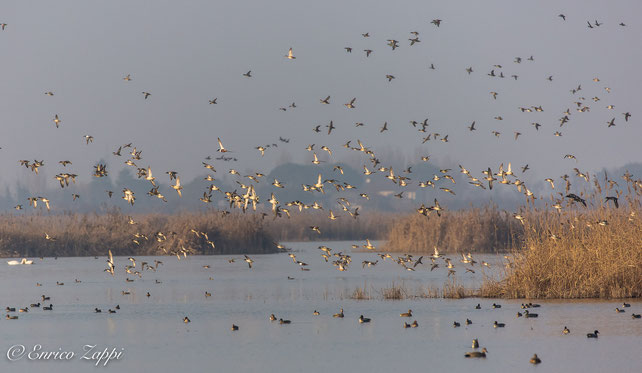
x=93, y=234
x=572, y=255
x=579, y=252
x=451, y=289
x=372, y=225
x=484, y=229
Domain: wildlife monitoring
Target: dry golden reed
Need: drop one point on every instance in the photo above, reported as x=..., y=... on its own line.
x=93, y=234
x=474, y=230
x=592, y=251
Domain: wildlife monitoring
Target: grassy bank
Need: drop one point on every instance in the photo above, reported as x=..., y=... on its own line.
x=91, y=234
x=475, y=230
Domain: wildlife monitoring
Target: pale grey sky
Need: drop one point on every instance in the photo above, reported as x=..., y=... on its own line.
x=187, y=52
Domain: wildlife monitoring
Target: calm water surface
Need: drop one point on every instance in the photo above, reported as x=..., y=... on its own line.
x=152, y=336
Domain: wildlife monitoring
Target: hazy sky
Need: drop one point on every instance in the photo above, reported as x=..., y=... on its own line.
x=187, y=52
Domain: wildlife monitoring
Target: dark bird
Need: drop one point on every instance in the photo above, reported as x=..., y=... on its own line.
x=592, y=335
x=472, y=126
x=576, y=198
x=627, y=115
x=614, y=199
x=330, y=127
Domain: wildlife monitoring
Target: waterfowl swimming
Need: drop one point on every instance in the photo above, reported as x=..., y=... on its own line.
x=32, y=305
x=635, y=316
x=414, y=324
x=315, y=313
x=497, y=305
x=468, y=322
x=340, y=314
x=475, y=343
x=618, y=310
x=406, y=314
x=97, y=310
x=535, y=359
x=272, y=317
x=281, y=321
x=566, y=330
x=11, y=309
x=498, y=325
x=478, y=306
x=23, y=261
x=592, y=335
x=26, y=309
x=406, y=325
x=185, y=320
x=9, y=317
x=481, y=353
x=235, y=327
x=529, y=315
x=114, y=311
x=208, y=294
x=48, y=308
x=117, y=307
x=456, y=324
x=363, y=319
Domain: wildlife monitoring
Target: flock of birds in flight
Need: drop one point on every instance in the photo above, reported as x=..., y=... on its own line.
x=248, y=196
x=248, y=199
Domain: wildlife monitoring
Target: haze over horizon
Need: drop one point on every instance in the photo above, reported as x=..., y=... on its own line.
x=186, y=54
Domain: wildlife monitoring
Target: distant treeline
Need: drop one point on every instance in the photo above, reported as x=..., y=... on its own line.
x=149, y=234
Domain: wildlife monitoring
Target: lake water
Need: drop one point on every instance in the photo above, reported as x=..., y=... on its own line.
x=150, y=334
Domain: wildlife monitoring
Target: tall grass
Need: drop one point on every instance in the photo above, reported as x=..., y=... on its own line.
x=92, y=234
x=372, y=225
x=475, y=230
x=451, y=289
x=581, y=252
